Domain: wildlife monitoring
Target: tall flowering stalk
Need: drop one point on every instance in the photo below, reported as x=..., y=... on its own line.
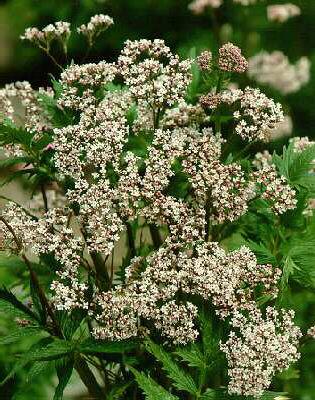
x=140, y=153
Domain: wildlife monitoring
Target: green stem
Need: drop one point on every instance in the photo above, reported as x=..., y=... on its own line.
x=42, y=188
x=131, y=242
x=243, y=151
x=155, y=235
x=101, y=271
x=88, y=379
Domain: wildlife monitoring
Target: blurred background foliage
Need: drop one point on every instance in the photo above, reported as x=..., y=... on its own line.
x=170, y=20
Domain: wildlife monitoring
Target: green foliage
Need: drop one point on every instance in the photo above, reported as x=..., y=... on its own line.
x=151, y=389
x=296, y=166
x=181, y=380
x=193, y=356
x=91, y=346
x=45, y=350
x=64, y=368
x=11, y=305
x=19, y=333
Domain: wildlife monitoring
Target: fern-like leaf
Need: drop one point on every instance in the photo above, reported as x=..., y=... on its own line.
x=151, y=389
x=181, y=379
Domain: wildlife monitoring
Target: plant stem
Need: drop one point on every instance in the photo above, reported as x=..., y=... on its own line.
x=131, y=242
x=88, y=379
x=43, y=298
x=44, y=197
x=155, y=235
x=101, y=270
x=243, y=151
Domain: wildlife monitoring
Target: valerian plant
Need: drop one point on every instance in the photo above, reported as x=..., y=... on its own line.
x=161, y=239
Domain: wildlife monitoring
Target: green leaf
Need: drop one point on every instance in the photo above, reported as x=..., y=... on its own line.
x=11, y=262
x=64, y=368
x=11, y=134
x=151, y=389
x=181, y=379
x=301, y=163
x=36, y=369
x=117, y=391
x=139, y=144
x=192, y=355
x=70, y=321
x=287, y=271
x=19, y=333
x=296, y=165
x=9, y=304
x=44, y=350
x=263, y=254
x=210, y=336
x=90, y=346
x=41, y=310
x=179, y=185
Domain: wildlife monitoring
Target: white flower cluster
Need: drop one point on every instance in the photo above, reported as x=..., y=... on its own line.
x=275, y=189
x=115, y=182
x=311, y=332
x=231, y=59
x=96, y=25
x=258, y=347
x=228, y=279
x=274, y=69
x=255, y=114
x=282, y=12
x=58, y=31
x=301, y=143
x=162, y=83
x=22, y=104
x=46, y=235
x=199, y=6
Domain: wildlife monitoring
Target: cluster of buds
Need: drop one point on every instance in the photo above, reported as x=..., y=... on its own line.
x=58, y=31
x=204, y=60
x=231, y=59
x=96, y=25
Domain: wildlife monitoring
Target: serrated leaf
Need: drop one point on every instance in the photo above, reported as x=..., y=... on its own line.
x=11, y=134
x=181, y=379
x=64, y=368
x=99, y=346
x=301, y=163
x=70, y=321
x=295, y=165
x=192, y=355
x=36, y=369
x=151, y=389
x=209, y=337
x=44, y=350
x=11, y=305
x=19, y=333
x=117, y=391
x=41, y=310
x=263, y=254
